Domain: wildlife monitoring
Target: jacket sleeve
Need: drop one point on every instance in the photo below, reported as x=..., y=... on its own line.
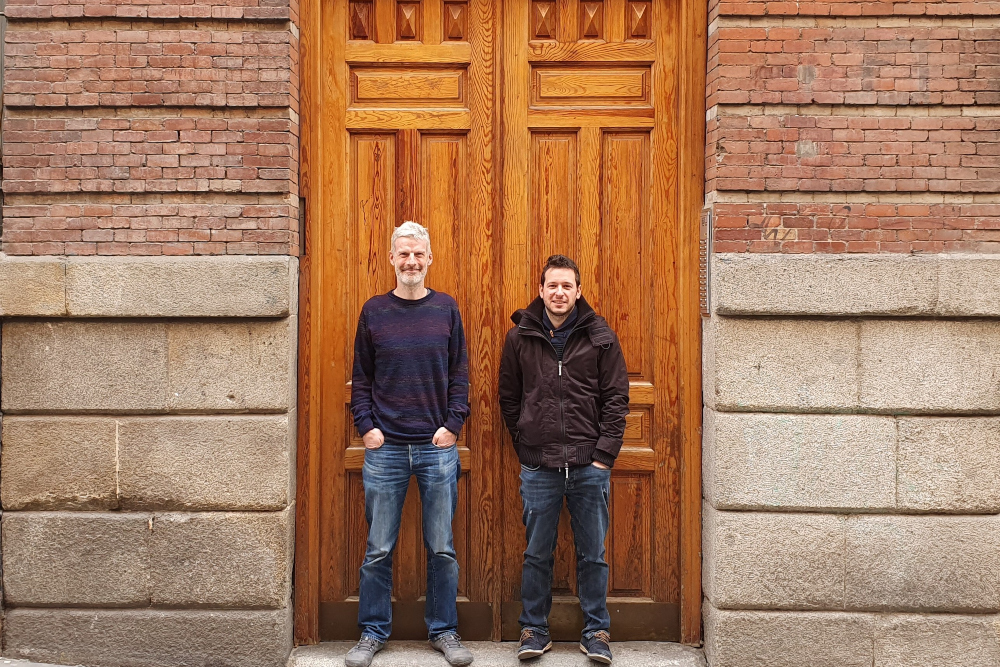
x=613, y=383
x=510, y=386
x=458, y=376
x=363, y=378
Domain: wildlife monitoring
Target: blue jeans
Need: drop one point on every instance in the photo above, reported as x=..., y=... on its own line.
x=587, y=490
x=386, y=476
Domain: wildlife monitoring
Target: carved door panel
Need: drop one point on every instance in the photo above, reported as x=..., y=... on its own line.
x=589, y=172
x=412, y=124
x=414, y=139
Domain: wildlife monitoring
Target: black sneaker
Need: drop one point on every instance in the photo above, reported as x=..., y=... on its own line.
x=532, y=644
x=598, y=647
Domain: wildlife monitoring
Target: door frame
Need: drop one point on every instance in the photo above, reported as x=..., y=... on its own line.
x=324, y=255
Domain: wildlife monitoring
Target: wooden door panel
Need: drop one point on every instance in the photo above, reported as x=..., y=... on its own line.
x=553, y=194
x=413, y=114
x=625, y=197
x=419, y=109
x=629, y=539
x=586, y=131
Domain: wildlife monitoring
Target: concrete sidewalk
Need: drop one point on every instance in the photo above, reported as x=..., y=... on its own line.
x=501, y=654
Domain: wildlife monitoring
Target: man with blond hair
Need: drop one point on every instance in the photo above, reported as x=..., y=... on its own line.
x=409, y=399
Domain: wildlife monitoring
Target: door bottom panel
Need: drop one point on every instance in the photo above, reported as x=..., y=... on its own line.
x=630, y=621
x=338, y=621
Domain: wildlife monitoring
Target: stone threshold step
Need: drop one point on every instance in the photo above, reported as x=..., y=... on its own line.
x=501, y=654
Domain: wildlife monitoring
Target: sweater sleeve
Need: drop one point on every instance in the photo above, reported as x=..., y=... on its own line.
x=458, y=376
x=363, y=378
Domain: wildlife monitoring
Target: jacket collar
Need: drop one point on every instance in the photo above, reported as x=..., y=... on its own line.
x=531, y=317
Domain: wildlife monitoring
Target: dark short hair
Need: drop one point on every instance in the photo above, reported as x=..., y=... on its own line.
x=560, y=262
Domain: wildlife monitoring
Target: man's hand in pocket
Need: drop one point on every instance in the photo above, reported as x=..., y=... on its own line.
x=373, y=439
x=444, y=438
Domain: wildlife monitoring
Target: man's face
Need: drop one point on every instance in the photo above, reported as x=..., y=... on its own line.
x=559, y=291
x=410, y=259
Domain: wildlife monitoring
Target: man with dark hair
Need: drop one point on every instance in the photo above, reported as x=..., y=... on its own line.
x=564, y=399
x=409, y=399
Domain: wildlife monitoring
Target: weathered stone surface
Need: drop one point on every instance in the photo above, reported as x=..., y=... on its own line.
x=75, y=559
x=822, y=284
x=969, y=286
x=949, y=465
x=916, y=563
x=211, y=286
x=58, y=463
x=708, y=362
x=911, y=640
x=84, y=366
x=221, y=559
x=205, y=463
x=787, y=639
x=766, y=461
x=150, y=638
x=232, y=366
x=785, y=365
x=949, y=285
x=758, y=560
x=930, y=366
x=32, y=286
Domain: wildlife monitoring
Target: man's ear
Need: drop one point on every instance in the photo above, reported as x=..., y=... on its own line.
x=430, y=258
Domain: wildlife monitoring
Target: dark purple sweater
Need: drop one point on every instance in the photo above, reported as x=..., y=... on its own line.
x=411, y=370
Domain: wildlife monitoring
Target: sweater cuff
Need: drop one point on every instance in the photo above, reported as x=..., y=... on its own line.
x=364, y=425
x=603, y=457
x=454, y=425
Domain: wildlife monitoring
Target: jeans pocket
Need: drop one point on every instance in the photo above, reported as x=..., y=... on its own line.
x=530, y=468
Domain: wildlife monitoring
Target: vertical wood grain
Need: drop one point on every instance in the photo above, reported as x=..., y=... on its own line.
x=624, y=195
x=433, y=21
x=331, y=230
x=355, y=196
x=307, y=461
x=693, y=28
x=373, y=173
x=589, y=198
x=484, y=315
x=663, y=242
x=407, y=185
x=443, y=179
x=514, y=258
x=553, y=190
x=385, y=21
x=630, y=536
x=615, y=29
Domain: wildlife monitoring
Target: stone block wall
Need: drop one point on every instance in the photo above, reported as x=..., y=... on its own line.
x=852, y=461
x=151, y=128
x=147, y=464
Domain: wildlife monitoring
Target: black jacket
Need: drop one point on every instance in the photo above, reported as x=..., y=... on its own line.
x=565, y=414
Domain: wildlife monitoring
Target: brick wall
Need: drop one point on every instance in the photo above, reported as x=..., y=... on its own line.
x=145, y=128
x=854, y=126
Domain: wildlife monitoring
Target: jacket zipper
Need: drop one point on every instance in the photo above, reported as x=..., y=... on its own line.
x=562, y=415
x=562, y=411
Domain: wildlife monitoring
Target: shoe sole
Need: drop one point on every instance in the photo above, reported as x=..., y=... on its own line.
x=532, y=653
x=595, y=656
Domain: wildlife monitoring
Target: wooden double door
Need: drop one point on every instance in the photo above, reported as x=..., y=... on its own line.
x=512, y=130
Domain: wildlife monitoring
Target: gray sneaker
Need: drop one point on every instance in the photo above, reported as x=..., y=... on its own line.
x=362, y=653
x=451, y=645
